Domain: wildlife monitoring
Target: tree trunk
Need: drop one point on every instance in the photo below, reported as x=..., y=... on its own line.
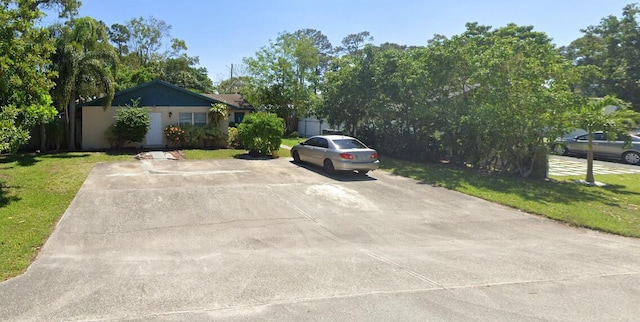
x=43, y=137
x=72, y=123
x=590, y=177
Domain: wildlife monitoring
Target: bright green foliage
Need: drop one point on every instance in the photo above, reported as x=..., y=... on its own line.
x=262, y=132
x=593, y=116
x=24, y=76
x=192, y=135
x=85, y=63
x=217, y=113
x=485, y=98
x=141, y=45
x=233, y=139
x=611, y=47
x=213, y=136
x=284, y=77
x=132, y=124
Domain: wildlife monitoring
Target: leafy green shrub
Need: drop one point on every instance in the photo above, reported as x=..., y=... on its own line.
x=261, y=132
x=214, y=136
x=132, y=124
x=192, y=135
x=233, y=139
x=175, y=134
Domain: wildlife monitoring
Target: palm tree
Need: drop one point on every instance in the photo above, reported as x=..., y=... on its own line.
x=596, y=116
x=85, y=62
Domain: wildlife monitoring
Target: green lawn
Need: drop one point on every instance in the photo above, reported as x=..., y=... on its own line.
x=34, y=193
x=614, y=209
x=212, y=154
x=36, y=190
x=292, y=142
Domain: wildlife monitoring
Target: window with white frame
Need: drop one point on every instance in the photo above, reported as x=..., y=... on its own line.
x=197, y=119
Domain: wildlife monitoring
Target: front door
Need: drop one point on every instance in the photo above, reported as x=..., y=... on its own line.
x=154, y=136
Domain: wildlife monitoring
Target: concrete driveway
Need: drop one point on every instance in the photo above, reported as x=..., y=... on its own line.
x=272, y=241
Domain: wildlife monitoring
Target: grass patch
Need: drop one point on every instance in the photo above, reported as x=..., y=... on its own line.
x=212, y=154
x=223, y=154
x=614, y=209
x=35, y=190
x=292, y=142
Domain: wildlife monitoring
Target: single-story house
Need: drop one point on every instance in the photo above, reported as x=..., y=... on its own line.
x=167, y=104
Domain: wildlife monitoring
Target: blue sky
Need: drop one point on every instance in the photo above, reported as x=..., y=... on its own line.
x=222, y=32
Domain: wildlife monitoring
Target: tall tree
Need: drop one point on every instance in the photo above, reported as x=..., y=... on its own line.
x=324, y=53
x=147, y=37
x=280, y=75
x=353, y=43
x=120, y=36
x=489, y=97
x=147, y=51
x=235, y=85
x=24, y=74
x=85, y=62
x=611, y=47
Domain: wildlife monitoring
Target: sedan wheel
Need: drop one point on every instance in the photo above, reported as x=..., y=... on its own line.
x=631, y=158
x=560, y=149
x=296, y=157
x=328, y=166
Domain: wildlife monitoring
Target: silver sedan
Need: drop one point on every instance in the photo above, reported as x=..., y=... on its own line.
x=602, y=147
x=336, y=153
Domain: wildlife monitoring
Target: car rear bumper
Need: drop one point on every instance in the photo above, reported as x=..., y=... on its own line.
x=350, y=166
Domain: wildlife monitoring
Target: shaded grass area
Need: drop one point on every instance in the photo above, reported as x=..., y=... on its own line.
x=35, y=190
x=614, y=209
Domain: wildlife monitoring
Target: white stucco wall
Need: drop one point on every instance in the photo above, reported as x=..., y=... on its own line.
x=96, y=120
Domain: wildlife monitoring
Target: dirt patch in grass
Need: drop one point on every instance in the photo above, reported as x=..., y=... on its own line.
x=170, y=155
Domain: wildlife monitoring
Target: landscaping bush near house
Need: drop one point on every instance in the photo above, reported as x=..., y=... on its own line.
x=192, y=135
x=174, y=134
x=261, y=132
x=293, y=135
x=233, y=139
x=132, y=124
x=214, y=137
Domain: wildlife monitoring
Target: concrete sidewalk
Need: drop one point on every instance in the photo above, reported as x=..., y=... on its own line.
x=568, y=166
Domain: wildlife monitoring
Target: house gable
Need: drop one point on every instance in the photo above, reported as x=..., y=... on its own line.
x=157, y=93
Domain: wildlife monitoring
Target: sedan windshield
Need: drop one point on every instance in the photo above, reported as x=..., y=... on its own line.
x=346, y=144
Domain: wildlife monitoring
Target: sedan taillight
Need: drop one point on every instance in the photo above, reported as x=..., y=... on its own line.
x=374, y=155
x=347, y=156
